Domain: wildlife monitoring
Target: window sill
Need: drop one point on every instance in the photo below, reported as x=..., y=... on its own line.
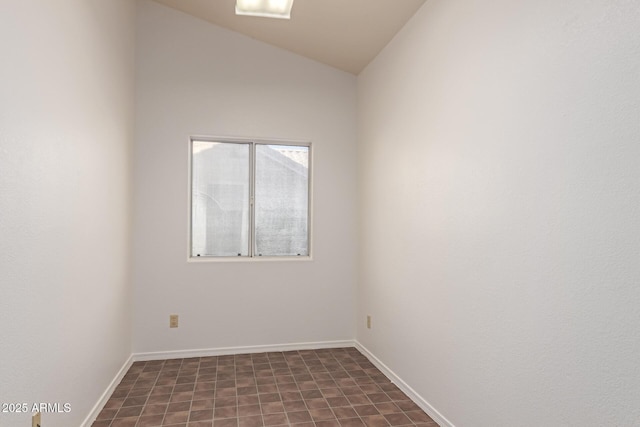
x=198, y=260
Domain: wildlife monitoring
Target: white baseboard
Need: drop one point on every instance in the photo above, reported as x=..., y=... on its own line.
x=207, y=352
x=107, y=394
x=406, y=389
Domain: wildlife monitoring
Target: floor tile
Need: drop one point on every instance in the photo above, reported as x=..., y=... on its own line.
x=310, y=388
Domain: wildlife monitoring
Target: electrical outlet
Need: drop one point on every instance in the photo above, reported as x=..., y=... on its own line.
x=368, y=322
x=36, y=420
x=173, y=321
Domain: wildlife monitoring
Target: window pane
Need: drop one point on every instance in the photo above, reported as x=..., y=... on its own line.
x=220, y=199
x=281, y=200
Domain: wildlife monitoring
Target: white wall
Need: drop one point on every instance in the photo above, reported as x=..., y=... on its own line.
x=66, y=114
x=499, y=148
x=194, y=78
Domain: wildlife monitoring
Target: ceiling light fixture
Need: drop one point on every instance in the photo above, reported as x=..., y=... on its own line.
x=265, y=8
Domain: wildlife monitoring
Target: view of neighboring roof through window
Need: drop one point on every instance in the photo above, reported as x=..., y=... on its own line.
x=249, y=199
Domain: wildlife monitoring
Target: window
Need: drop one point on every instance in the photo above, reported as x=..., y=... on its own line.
x=249, y=199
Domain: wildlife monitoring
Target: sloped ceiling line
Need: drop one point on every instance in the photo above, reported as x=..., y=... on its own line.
x=345, y=34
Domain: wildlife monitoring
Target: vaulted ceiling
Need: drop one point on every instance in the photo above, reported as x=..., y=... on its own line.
x=345, y=34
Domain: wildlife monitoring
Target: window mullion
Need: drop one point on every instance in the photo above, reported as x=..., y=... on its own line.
x=252, y=197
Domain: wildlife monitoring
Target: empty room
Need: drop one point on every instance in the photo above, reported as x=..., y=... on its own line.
x=319, y=213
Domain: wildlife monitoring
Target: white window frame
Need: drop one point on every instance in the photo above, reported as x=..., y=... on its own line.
x=252, y=257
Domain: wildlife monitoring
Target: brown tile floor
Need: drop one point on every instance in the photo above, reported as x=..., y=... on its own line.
x=334, y=387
